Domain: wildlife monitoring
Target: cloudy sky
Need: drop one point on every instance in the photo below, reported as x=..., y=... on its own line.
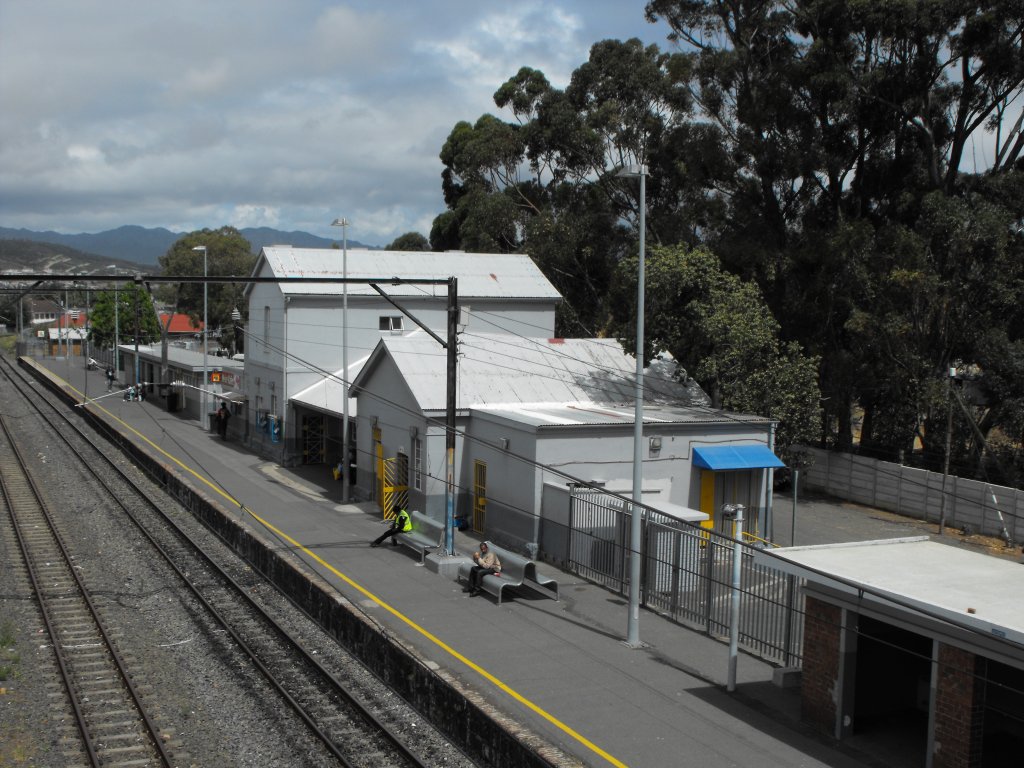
x=187, y=114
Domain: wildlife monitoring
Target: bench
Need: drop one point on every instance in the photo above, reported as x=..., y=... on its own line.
x=426, y=534
x=516, y=571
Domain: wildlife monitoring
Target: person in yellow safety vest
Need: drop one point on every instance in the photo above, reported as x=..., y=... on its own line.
x=401, y=524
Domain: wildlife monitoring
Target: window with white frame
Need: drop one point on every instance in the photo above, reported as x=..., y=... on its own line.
x=391, y=323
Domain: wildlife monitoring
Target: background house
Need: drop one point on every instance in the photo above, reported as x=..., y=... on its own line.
x=182, y=331
x=293, y=354
x=42, y=311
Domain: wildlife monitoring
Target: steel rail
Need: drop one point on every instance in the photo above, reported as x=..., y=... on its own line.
x=126, y=678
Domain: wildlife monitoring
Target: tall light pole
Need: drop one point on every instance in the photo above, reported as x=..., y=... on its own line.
x=345, y=464
x=635, y=530
x=117, y=333
x=206, y=369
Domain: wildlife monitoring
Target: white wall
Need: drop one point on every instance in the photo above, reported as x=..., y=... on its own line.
x=304, y=336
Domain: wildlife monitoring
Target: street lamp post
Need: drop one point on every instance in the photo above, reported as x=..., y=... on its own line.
x=635, y=529
x=117, y=333
x=345, y=465
x=206, y=368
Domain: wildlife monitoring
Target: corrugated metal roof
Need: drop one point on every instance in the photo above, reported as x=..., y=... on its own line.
x=184, y=357
x=326, y=395
x=581, y=415
x=499, y=370
x=481, y=275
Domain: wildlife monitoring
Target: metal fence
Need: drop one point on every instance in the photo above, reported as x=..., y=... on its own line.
x=992, y=510
x=687, y=575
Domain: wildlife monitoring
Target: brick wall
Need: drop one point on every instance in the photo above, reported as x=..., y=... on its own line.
x=959, y=709
x=821, y=665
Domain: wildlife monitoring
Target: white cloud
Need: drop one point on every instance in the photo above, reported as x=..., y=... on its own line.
x=189, y=114
x=85, y=154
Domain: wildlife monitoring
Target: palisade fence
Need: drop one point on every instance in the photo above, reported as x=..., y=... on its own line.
x=992, y=510
x=687, y=575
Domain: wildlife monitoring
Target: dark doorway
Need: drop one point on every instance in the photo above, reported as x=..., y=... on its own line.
x=892, y=690
x=1003, y=740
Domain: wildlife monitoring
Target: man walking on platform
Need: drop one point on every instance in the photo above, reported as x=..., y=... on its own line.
x=223, y=414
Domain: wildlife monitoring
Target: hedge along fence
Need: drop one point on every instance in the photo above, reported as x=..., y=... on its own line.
x=992, y=510
x=460, y=713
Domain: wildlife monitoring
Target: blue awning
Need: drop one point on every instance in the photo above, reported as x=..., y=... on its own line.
x=719, y=457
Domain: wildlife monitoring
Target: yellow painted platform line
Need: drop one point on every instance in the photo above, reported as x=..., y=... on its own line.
x=360, y=588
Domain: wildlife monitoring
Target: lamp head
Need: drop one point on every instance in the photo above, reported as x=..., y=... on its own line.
x=632, y=171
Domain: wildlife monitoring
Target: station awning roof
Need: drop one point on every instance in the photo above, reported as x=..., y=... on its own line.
x=721, y=457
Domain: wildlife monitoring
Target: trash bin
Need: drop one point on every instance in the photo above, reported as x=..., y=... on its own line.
x=172, y=402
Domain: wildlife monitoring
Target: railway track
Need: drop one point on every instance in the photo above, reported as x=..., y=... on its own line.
x=354, y=721
x=109, y=708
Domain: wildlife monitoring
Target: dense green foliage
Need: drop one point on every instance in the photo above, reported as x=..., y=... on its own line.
x=227, y=254
x=122, y=315
x=807, y=165
x=410, y=241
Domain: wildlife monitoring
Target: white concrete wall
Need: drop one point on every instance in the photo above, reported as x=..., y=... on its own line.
x=305, y=333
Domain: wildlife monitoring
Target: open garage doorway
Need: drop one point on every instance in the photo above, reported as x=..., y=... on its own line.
x=892, y=688
x=1003, y=730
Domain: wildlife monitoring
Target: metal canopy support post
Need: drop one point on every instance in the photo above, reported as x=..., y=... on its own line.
x=453, y=327
x=346, y=465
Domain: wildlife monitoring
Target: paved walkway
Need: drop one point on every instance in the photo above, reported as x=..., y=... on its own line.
x=560, y=668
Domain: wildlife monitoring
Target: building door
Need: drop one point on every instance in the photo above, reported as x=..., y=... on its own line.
x=727, y=487
x=479, y=496
x=313, y=439
x=396, y=485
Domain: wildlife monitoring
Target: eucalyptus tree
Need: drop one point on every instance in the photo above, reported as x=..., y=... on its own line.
x=545, y=181
x=844, y=127
x=228, y=253
x=724, y=335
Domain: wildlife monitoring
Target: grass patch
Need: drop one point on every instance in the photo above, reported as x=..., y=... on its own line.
x=9, y=657
x=6, y=635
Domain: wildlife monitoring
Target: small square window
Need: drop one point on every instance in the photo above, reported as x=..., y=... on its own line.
x=391, y=323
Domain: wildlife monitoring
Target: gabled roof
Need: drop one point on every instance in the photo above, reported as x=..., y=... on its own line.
x=503, y=370
x=480, y=275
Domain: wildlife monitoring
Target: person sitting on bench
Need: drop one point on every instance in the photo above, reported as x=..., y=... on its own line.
x=401, y=524
x=486, y=562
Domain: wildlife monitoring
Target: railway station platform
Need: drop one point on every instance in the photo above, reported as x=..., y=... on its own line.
x=560, y=669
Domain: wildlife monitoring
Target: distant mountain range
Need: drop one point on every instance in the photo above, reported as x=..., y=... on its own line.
x=141, y=246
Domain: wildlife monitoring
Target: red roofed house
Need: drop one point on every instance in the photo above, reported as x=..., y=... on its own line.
x=181, y=326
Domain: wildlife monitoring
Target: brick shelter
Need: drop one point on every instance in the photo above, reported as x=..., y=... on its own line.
x=915, y=643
